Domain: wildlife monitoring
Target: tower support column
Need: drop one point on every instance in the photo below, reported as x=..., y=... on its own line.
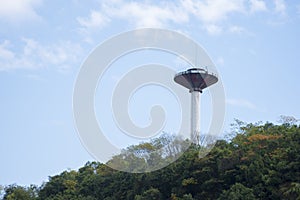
x=195, y=79
x=195, y=117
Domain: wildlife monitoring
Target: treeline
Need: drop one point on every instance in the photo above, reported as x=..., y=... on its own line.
x=260, y=161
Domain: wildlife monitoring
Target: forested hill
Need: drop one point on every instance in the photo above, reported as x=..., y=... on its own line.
x=261, y=161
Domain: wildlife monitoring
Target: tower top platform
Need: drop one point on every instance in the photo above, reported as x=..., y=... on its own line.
x=195, y=79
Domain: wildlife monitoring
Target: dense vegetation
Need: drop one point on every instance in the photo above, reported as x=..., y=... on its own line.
x=260, y=161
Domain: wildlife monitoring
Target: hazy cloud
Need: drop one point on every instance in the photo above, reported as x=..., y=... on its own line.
x=213, y=29
x=257, y=5
x=34, y=55
x=145, y=14
x=237, y=29
x=280, y=6
x=164, y=13
x=5, y=53
x=96, y=19
x=19, y=10
x=240, y=31
x=210, y=13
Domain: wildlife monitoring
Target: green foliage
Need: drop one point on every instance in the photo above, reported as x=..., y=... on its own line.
x=238, y=192
x=151, y=194
x=187, y=197
x=151, y=155
x=14, y=192
x=260, y=161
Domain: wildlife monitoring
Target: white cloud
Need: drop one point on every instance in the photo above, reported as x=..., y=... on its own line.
x=257, y=5
x=19, y=10
x=240, y=31
x=5, y=53
x=213, y=29
x=138, y=14
x=96, y=19
x=241, y=103
x=144, y=14
x=279, y=11
x=34, y=55
x=211, y=14
x=213, y=11
x=280, y=6
x=236, y=29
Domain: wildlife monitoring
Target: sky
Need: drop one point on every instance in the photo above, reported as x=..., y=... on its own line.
x=253, y=43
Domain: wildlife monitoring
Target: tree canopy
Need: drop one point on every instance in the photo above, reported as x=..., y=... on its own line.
x=260, y=161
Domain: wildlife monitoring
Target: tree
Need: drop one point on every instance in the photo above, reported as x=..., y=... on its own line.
x=288, y=120
x=14, y=192
x=151, y=194
x=261, y=161
x=238, y=192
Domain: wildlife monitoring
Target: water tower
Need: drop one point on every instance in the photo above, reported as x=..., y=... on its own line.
x=195, y=79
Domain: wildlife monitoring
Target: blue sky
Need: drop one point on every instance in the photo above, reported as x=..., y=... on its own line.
x=254, y=44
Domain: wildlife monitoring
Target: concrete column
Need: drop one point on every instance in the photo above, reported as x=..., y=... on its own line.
x=195, y=117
